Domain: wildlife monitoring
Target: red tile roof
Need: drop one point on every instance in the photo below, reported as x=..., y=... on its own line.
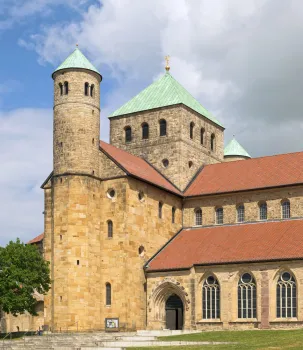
x=279, y=170
x=232, y=244
x=36, y=239
x=138, y=167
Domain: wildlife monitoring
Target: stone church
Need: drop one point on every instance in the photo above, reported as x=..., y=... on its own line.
x=162, y=227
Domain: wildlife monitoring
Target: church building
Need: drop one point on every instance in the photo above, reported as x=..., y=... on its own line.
x=162, y=227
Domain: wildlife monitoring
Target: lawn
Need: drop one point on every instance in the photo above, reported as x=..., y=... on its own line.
x=247, y=340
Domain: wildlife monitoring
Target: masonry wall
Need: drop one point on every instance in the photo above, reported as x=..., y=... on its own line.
x=176, y=146
x=188, y=286
x=250, y=199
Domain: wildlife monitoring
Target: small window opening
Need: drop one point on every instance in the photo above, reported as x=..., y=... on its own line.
x=86, y=88
x=78, y=262
x=92, y=90
x=160, y=207
x=128, y=134
x=66, y=88
x=141, y=251
x=60, y=297
x=212, y=142
x=165, y=163
x=162, y=127
x=60, y=237
x=145, y=131
x=61, y=180
x=190, y=164
x=198, y=217
x=111, y=193
x=173, y=215
x=61, y=144
x=61, y=89
x=93, y=141
x=141, y=196
x=202, y=136
x=108, y=296
x=191, y=130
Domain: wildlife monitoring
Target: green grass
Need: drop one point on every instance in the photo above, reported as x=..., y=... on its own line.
x=246, y=340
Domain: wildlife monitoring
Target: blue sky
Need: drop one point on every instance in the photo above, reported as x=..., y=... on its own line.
x=242, y=60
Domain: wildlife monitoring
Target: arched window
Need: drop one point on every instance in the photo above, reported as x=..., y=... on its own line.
x=162, y=127
x=191, y=130
x=211, y=298
x=66, y=88
x=92, y=90
x=219, y=216
x=145, y=131
x=108, y=296
x=202, y=132
x=86, y=88
x=109, y=229
x=240, y=213
x=247, y=297
x=263, y=211
x=212, y=142
x=173, y=214
x=286, y=209
x=61, y=88
x=286, y=296
x=198, y=216
x=160, y=207
x=128, y=134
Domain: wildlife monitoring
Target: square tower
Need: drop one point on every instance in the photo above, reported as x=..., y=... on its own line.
x=171, y=130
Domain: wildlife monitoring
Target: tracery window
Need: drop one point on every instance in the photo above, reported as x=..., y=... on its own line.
x=263, y=211
x=109, y=229
x=191, y=130
x=108, y=296
x=212, y=142
x=286, y=209
x=247, y=297
x=202, y=132
x=128, y=134
x=219, y=215
x=198, y=216
x=286, y=296
x=240, y=213
x=162, y=127
x=211, y=298
x=145, y=131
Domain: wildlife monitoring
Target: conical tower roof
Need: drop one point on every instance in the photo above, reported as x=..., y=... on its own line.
x=164, y=92
x=233, y=148
x=77, y=60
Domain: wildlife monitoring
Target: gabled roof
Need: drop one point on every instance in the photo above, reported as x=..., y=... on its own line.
x=164, y=92
x=137, y=167
x=264, y=241
x=256, y=173
x=36, y=239
x=233, y=148
x=77, y=60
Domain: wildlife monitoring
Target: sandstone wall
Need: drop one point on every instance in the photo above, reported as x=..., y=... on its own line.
x=250, y=199
x=176, y=146
x=188, y=286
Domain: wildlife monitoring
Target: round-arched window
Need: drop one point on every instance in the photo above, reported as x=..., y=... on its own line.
x=165, y=163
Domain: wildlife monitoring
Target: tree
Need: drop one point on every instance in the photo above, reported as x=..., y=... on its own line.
x=23, y=271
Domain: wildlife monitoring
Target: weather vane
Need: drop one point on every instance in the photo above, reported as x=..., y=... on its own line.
x=167, y=67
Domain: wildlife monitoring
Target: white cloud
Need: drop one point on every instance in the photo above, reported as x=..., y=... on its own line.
x=26, y=161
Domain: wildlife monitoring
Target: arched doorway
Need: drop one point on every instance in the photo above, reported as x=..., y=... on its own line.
x=174, y=312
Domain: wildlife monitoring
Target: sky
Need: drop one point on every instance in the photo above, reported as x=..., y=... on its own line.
x=243, y=61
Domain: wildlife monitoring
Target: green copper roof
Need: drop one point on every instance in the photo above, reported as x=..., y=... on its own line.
x=235, y=149
x=77, y=60
x=165, y=91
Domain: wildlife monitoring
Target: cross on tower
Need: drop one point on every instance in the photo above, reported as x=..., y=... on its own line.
x=167, y=67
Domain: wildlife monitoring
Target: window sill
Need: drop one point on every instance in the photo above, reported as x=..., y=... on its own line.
x=210, y=321
x=108, y=306
x=288, y=319
x=245, y=320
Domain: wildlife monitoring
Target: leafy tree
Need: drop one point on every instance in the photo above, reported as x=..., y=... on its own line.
x=22, y=272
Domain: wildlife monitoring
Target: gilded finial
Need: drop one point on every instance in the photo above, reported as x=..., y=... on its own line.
x=77, y=45
x=167, y=67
